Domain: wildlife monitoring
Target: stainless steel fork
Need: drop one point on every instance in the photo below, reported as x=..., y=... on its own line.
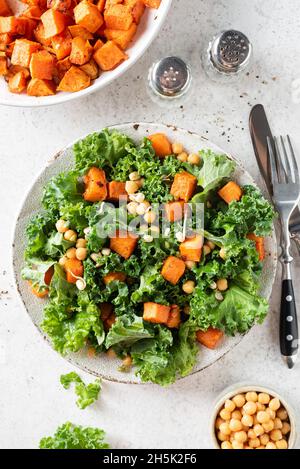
x=286, y=195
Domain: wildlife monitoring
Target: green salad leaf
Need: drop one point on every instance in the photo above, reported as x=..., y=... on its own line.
x=70, y=436
x=126, y=331
x=87, y=393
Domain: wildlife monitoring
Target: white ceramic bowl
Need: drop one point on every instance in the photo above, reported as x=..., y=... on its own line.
x=242, y=388
x=63, y=160
x=148, y=29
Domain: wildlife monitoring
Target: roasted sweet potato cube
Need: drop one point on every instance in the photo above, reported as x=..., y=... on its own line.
x=110, y=321
x=22, y=52
x=152, y=3
x=5, y=8
x=123, y=243
x=230, y=192
x=17, y=83
x=81, y=51
x=175, y=210
x=39, y=34
x=29, y=25
x=42, y=65
x=259, y=245
x=106, y=310
x=73, y=269
x=37, y=87
x=109, y=56
x=184, y=186
x=13, y=69
x=11, y=25
x=3, y=64
x=137, y=8
x=191, y=248
x=114, y=276
x=91, y=69
x=98, y=44
x=61, y=5
x=173, y=269
x=62, y=66
x=116, y=189
x=74, y=80
x=54, y=22
x=210, y=338
x=87, y=15
x=156, y=313
x=121, y=38
x=161, y=144
x=34, y=12
x=174, y=317
x=118, y=17
x=77, y=30
x=95, y=185
x=6, y=38
x=62, y=44
x=101, y=5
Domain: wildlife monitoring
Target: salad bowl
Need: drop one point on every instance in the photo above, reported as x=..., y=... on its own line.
x=103, y=365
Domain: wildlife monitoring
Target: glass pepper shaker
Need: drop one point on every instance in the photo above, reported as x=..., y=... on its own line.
x=169, y=81
x=227, y=56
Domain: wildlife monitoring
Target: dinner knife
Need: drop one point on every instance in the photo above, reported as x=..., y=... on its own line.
x=260, y=130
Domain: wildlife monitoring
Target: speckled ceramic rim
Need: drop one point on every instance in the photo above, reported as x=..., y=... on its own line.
x=147, y=128
x=242, y=388
x=159, y=17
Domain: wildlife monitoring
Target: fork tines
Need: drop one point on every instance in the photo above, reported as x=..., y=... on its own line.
x=283, y=164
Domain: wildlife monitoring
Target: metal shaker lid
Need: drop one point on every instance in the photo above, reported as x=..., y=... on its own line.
x=170, y=77
x=230, y=51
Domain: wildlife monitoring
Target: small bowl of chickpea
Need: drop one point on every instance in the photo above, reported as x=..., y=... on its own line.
x=252, y=417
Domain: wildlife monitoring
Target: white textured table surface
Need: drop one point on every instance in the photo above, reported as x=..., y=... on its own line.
x=33, y=402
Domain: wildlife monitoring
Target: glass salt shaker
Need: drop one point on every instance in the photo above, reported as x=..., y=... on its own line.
x=228, y=55
x=169, y=81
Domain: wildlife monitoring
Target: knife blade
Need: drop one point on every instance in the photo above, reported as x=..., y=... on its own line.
x=259, y=131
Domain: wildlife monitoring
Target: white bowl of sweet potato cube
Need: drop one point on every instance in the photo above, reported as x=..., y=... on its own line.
x=52, y=51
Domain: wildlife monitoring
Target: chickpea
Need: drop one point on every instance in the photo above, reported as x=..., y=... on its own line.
x=70, y=235
x=194, y=158
x=132, y=208
x=255, y=421
x=81, y=243
x=235, y=425
x=134, y=176
x=263, y=398
x=224, y=428
x=187, y=309
x=131, y=187
x=177, y=148
x=248, y=447
x=274, y=404
x=281, y=444
x=258, y=430
x=276, y=435
x=260, y=406
x=225, y=414
x=237, y=445
x=222, y=284
x=263, y=417
x=62, y=226
x=236, y=414
x=251, y=396
x=282, y=413
x=241, y=436
x=286, y=428
x=270, y=445
x=247, y=420
x=206, y=250
x=71, y=253
x=254, y=443
x=222, y=437
x=219, y=296
x=250, y=408
x=229, y=405
x=106, y=251
x=139, y=197
x=142, y=208
x=95, y=256
x=188, y=287
x=218, y=423
x=226, y=445
x=111, y=353
x=278, y=424
x=148, y=238
x=182, y=157
x=211, y=245
x=268, y=426
x=264, y=439
x=260, y=447
x=190, y=264
x=222, y=253
x=150, y=217
x=127, y=361
x=271, y=413
x=251, y=434
x=81, y=254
